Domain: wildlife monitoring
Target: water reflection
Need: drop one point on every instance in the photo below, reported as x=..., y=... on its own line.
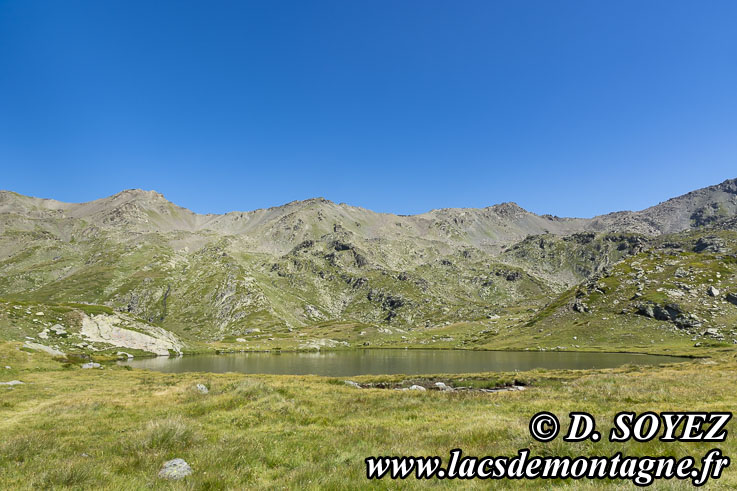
x=393, y=361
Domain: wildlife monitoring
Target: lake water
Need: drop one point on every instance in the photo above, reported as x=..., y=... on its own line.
x=393, y=361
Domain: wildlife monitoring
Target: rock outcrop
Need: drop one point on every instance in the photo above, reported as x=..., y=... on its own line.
x=104, y=328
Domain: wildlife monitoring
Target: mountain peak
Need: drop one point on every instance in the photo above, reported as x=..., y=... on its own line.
x=138, y=193
x=309, y=201
x=508, y=208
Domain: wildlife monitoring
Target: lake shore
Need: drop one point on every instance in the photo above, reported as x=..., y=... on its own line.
x=115, y=427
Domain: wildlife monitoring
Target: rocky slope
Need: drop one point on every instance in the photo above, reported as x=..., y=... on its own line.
x=319, y=268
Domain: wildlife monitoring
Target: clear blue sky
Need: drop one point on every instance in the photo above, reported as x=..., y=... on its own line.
x=567, y=107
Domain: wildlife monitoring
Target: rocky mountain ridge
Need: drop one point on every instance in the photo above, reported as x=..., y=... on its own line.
x=149, y=211
x=315, y=268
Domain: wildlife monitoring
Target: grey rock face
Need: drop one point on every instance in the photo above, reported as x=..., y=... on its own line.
x=175, y=469
x=670, y=312
x=710, y=244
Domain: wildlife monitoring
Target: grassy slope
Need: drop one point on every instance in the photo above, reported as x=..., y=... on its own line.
x=221, y=289
x=113, y=428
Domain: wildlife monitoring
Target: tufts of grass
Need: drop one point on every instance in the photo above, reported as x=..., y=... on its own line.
x=168, y=434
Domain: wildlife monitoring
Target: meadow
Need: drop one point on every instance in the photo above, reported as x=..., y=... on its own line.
x=113, y=428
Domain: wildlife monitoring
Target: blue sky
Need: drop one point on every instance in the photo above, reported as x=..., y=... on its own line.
x=574, y=108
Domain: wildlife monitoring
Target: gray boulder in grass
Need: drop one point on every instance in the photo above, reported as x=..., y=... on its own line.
x=175, y=469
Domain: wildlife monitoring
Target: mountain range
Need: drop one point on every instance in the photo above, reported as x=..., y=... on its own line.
x=319, y=270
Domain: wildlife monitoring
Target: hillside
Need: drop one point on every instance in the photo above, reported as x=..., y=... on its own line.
x=315, y=273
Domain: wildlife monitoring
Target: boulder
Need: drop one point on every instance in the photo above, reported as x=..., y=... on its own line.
x=712, y=291
x=417, y=387
x=91, y=364
x=351, y=383
x=713, y=333
x=443, y=387
x=579, y=306
x=59, y=330
x=731, y=298
x=202, y=389
x=175, y=469
x=647, y=310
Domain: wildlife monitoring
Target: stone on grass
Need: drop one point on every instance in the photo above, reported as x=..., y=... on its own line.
x=12, y=382
x=417, y=387
x=202, y=389
x=42, y=347
x=91, y=364
x=175, y=469
x=351, y=383
x=59, y=330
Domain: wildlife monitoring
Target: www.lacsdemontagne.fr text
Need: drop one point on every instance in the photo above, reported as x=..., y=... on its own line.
x=641, y=471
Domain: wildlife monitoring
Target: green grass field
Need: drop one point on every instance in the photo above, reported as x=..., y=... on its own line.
x=113, y=428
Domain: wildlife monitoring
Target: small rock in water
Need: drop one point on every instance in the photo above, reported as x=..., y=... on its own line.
x=202, y=389
x=175, y=469
x=91, y=365
x=417, y=387
x=351, y=383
